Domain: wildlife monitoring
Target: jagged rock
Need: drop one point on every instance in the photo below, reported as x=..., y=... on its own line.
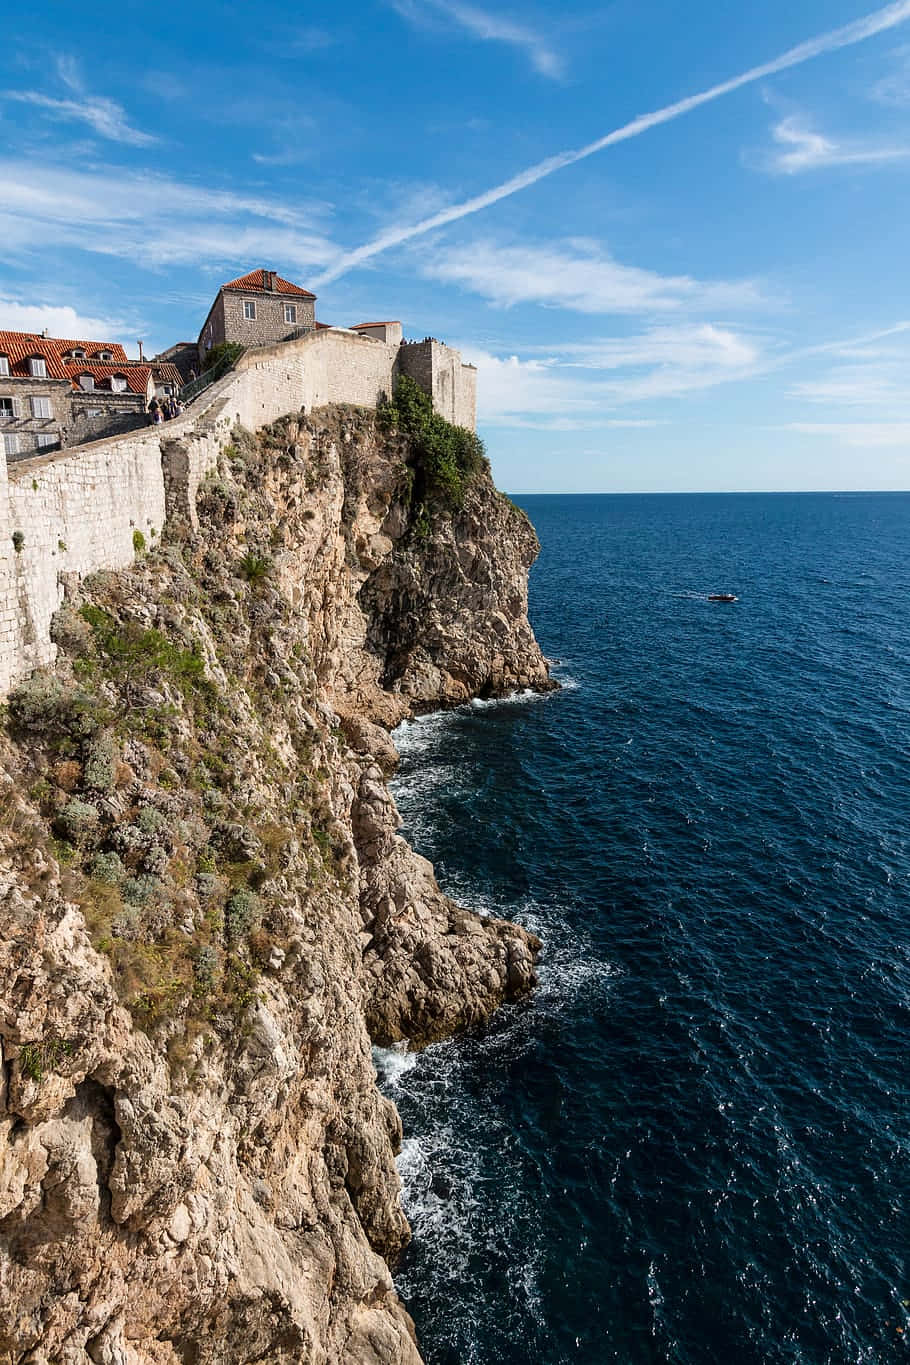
x=195, y=1162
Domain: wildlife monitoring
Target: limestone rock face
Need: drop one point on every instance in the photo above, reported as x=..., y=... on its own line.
x=207, y=913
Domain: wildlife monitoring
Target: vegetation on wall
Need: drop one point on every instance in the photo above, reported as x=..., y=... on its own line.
x=446, y=457
x=221, y=358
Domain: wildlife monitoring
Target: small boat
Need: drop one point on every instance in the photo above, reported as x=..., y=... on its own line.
x=722, y=597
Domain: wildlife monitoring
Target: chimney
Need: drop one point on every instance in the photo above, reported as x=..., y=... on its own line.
x=269, y=278
x=139, y=344
x=44, y=333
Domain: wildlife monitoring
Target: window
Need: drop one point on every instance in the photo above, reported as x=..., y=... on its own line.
x=11, y=444
x=8, y=409
x=106, y=356
x=41, y=407
x=37, y=367
x=94, y=412
x=118, y=383
x=249, y=310
x=4, y=364
x=45, y=441
x=290, y=312
x=87, y=383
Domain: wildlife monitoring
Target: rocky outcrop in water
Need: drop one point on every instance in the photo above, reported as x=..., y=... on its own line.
x=206, y=912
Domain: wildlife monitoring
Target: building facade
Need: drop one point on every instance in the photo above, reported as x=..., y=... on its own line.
x=257, y=309
x=58, y=392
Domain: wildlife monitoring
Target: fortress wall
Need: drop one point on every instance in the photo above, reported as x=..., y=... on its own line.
x=466, y=397
x=438, y=370
x=77, y=509
x=77, y=512
x=9, y=614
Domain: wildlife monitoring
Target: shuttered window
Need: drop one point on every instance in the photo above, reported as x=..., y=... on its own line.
x=41, y=407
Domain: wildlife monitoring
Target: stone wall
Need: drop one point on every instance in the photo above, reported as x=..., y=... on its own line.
x=96, y=415
x=439, y=372
x=77, y=510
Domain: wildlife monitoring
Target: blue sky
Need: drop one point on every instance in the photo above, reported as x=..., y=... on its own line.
x=714, y=298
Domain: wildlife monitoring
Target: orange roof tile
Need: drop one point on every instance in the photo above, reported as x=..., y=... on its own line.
x=390, y=322
x=136, y=376
x=167, y=373
x=255, y=280
x=92, y=349
x=18, y=347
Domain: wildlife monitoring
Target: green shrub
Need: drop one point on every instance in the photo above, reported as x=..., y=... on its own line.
x=150, y=820
x=138, y=542
x=140, y=890
x=71, y=632
x=447, y=457
x=255, y=567
x=221, y=357
x=137, y=656
x=36, y=1058
x=45, y=705
x=107, y=868
x=101, y=762
x=205, y=968
x=77, y=822
x=240, y=914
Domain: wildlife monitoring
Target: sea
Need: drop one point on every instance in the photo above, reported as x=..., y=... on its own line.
x=691, y=1144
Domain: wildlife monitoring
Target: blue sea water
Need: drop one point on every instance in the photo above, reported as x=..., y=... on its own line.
x=692, y=1144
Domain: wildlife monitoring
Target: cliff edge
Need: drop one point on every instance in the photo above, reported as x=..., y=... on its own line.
x=207, y=914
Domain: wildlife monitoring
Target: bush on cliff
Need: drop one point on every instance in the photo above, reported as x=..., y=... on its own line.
x=447, y=457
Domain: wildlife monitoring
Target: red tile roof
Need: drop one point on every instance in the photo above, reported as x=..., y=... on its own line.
x=255, y=280
x=136, y=376
x=18, y=347
x=92, y=349
x=391, y=322
x=167, y=373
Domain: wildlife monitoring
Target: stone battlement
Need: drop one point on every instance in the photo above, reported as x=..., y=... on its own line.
x=68, y=514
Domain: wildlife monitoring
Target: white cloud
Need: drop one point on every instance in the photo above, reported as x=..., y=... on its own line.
x=59, y=319
x=488, y=27
x=835, y=40
x=807, y=150
x=152, y=220
x=894, y=89
x=581, y=276
x=104, y=116
x=585, y=385
x=859, y=435
x=688, y=347
x=877, y=384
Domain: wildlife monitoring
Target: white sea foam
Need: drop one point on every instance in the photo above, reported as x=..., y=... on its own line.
x=393, y=1064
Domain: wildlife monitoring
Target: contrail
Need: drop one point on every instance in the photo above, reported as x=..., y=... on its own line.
x=856, y=32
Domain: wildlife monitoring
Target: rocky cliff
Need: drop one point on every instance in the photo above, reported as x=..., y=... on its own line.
x=207, y=915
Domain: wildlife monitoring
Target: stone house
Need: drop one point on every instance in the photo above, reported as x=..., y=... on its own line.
x=34, y=394
x=257, y=309
x=107, y=398
x=166, y=378
x=55, y=391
